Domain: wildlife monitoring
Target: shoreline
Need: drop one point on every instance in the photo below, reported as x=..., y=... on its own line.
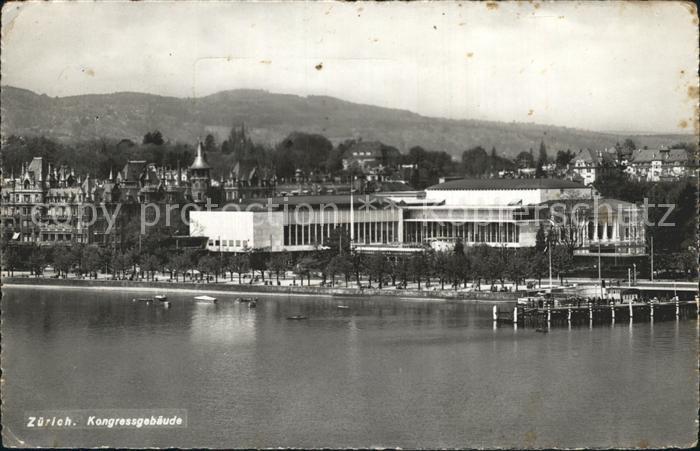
x=264, y=290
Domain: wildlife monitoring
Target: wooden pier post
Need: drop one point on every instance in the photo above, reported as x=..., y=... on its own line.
x=612, y=312
x=495, y=313
x=515, y=315
x=651, y=311
x=678, y=310
x=549, y=314
x=568, y=315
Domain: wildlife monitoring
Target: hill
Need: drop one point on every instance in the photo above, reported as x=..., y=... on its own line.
x=270, y=117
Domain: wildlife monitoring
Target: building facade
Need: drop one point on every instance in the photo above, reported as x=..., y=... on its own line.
x=494, y=212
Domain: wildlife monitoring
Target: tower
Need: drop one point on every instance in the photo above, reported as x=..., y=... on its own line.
x=199, y=178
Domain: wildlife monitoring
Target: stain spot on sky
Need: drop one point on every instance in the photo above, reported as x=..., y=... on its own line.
x=492, y=5
x=319, y=66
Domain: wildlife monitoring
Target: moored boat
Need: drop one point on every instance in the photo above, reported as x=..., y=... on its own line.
x=297, y=317
x=160, y=297
x=205, y=298
x=146, y=300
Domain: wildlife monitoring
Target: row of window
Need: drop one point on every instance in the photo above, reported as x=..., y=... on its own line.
x=469, y=232
x=228, y=243
x=364, y=233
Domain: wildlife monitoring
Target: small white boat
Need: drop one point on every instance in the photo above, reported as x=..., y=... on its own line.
x=205, y=298
x=161, y=298
x=344, y=307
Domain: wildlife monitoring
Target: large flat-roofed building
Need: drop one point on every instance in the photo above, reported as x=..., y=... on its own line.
x=299, y=223
x=495, y=212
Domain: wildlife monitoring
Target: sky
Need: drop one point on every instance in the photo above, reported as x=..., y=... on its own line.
x=602, y=66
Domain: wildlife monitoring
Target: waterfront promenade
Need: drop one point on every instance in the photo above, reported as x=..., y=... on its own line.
x=259, y=288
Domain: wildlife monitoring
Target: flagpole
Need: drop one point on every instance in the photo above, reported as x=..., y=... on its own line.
x=549, y=247
x=352, y=214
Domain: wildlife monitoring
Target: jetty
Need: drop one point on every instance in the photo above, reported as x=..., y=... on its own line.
x=594, y=311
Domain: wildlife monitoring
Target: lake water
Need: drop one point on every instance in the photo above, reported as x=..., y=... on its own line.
x=385, y=372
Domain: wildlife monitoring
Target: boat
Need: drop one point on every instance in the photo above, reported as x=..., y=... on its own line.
x=245, y=299
x=161, y=298
x=146, y=300
x=253, y=304
x=205, y=298
x=344, y=307
x=297, y=317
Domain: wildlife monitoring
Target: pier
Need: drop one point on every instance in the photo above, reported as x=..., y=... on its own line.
x=590, y=313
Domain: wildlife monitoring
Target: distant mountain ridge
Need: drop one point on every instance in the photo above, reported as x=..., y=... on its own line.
x=270, y=117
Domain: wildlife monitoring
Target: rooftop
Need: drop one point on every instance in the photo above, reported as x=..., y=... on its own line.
x=506, y=184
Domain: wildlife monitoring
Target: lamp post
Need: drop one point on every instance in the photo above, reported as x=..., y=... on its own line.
x=652, y=258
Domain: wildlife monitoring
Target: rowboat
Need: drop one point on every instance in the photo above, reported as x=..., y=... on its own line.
x=297, y=317
x=146, y=300
x=344, y=307
x=205, y=298
x=160, y=297
x=253, y=304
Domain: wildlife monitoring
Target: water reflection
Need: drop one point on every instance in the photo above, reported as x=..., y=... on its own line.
x=382, y=372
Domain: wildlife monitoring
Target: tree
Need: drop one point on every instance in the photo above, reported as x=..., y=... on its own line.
x=539, y=264
x=210, y=144
x=358, y=265
x=179, y=265
x=338, y=241
x=90, y=260
x=303, y=268
x=377, y=267
x=155, y=138
x=517, y=266
x=119, y=263
x=150, y=265
x=441, y=266
x=564, y=158
x=238, y=263
x=541, y=160
x=525, y=160
x=258, y=262
x=10, y=259
x=299, y=150
x=278, y=263
x=562, y=261
x=478, y=261
x=419, y=267
x=475, y=161
x=37, y=261
x=340, y=264
x=63, y=261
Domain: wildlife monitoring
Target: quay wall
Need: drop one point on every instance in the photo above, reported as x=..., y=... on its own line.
x=485, y=296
